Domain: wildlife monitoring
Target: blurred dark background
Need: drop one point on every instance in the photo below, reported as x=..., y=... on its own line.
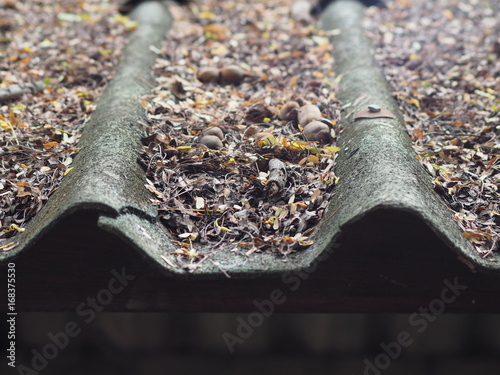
x=132, y=343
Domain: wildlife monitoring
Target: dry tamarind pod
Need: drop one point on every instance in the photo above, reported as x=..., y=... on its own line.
x=208, y=75
x=317, y=131
x=289, y=111
x=308, y=113
x=232, y=74
x=213, y=130
x=211, y=141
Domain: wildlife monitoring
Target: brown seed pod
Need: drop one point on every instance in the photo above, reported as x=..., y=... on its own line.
x=289, y=111
x=317, y=131
x=213, y=130
x=211, y=141
x=208, y=75
x=308, y=113
x=232, y=74
x=251, y=130
x=300, y=100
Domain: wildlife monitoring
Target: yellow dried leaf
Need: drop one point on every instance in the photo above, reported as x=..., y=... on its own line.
x=313, y=159
x=414, y=101
x=484, y=94
x=284, y=55
x=68, y=170
x=271, y=220
x=188, y=235
x=224, y=229
x=315, y=150
x=332, y=149
x=13, y=119
x=440, y=168
x=218, y=32
x=305, y=242
x=206, y=15
x=269, y=141
x=50, y=145
x=219, y=50
x=476, y=235
x=9, y=246
x=298, y=145
x=184, y=148
x=13, y=227
x=448, y=14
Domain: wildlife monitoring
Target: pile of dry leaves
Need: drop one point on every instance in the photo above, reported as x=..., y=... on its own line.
x=443, y=60
x=240, y=148
x=69, y=50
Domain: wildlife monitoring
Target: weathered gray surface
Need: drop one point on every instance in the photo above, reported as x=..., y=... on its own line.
x=377, y=164
x=106, y=176
x=384, y=195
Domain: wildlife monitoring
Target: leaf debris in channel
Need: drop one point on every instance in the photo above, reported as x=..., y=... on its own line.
x=71, y=49
x=207, y=152
x=443, y=58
